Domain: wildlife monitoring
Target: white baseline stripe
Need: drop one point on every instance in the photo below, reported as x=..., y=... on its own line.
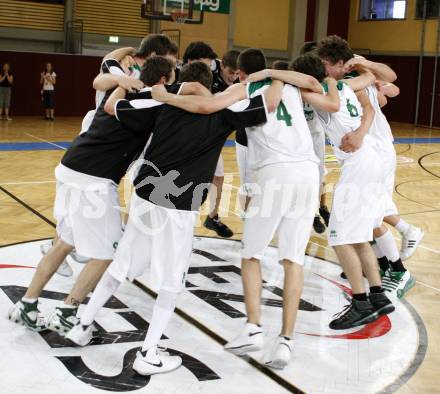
x=48, y=142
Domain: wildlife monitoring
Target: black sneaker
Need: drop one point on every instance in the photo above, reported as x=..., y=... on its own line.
x=355, y=314
x=325, y=214
x=318, y=226
x=381, y=303
x=216, y=225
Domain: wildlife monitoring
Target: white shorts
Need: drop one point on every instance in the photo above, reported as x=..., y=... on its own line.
x=286, y=203
x=87, y=121
x=220, y=170
x=247, y=175
x=88, y=220
x=359, y=199
x=158, y=239
x=390, y=160
x=319, y=148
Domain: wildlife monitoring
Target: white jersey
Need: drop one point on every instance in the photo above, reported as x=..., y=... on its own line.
x=380, y=129
x=347, y=119
x=313, y=121
x=285, y=137
x=108, y=66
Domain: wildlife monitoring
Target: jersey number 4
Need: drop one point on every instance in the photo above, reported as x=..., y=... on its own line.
x=283, y=114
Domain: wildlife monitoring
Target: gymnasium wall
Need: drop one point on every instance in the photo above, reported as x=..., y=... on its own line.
x=391, y=36
x=74, y=94
x=262, y=24
x=214, y=31
x=397, y=43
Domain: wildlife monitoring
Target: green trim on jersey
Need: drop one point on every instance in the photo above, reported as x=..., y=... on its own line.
x=352, y=74
x=339, y=86
x=254, y=86
x=282, y=112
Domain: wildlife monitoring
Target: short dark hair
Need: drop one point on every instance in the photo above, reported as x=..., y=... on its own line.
x=196, y=72
x=159, y=44
x=251, y=60
x=198, y=50
x=334, y=49
x=310, y=64
x=308, y=46
x=230, y=58
x=154, y=69
x=280, y=65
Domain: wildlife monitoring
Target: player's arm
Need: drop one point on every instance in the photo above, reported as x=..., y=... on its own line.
x=118, y=94
x=194, y=88
x=291, y=77
x=387, y=89
x=10, y=78
x=200, y=104
x=365, y=79
x=380, y=70
x=329, y=102
x=120, y=53
x=352, y=141
x=104, y=82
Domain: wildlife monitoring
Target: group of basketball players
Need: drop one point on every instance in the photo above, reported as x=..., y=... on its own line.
x=166, y=126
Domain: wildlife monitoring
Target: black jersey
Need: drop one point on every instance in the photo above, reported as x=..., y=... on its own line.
x=241, y=137
x=218, y=83
x=108, y=148
x=181, y=159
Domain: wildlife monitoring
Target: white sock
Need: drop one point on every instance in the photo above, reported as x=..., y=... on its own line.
x=29, y=300
x=402, y=227
x=106, y=287
x=162, y=312
x=388, y=246
x=68, y=306
x=377, y=251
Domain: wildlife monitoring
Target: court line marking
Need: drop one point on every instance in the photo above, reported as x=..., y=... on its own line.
x=26, y=183
x=428, y=286
x=46, y=141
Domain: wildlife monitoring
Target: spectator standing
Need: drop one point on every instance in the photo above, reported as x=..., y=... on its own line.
x=48, y=80
x=6, y=80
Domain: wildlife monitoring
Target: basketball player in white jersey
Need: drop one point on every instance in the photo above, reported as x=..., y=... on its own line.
x=357, y=197
x=286, y=171
x=328, y=48
x=396, y=279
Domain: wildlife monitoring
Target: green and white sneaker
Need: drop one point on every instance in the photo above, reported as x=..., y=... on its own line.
x=27, y=313
x=397, y=284
x=62, y=320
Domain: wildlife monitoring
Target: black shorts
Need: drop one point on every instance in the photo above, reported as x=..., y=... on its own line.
x=49, y=99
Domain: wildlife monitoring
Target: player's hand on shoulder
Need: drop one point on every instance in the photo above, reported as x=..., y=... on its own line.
x=356, y=63
x=258, y=76
x=159, y=93
x=127, y=62
x=330, y=81
x=351, y=142
x=129, y=83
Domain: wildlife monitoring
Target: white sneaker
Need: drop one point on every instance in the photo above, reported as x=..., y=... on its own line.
x=251, y=339
x=152, y=362
x=397, y=284
x=410, y=241
x=81, y=335
x=64, y=269
x=79, y=259
x=44, y=248
x=27, y=314
x=281, y=353
x=62, y=320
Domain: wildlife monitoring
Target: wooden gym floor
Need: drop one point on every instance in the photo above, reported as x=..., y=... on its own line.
x=30, y=148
